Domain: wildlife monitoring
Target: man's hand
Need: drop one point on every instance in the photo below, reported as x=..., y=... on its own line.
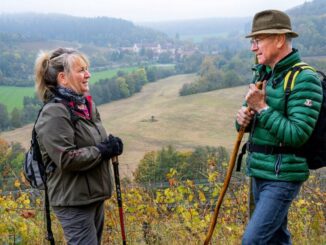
x=244, y=116
x=256, y=98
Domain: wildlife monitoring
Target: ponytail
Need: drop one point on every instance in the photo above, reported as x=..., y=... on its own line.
x=41, y=67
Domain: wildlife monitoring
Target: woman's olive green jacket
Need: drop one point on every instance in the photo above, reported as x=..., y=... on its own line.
x=80, y=175
x=273, y=127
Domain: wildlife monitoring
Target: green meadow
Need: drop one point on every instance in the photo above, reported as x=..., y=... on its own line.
x=96, y=76
x=13, y=96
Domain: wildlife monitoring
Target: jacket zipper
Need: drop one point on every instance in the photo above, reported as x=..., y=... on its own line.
x=278, y=164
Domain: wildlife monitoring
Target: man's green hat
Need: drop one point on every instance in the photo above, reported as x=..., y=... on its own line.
x=271, y=22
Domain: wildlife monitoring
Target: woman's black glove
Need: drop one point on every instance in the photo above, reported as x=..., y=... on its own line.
x=110, y=147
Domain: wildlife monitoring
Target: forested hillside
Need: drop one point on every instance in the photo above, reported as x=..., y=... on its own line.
x=231, y=66
x=309, y=8
x=309, y=20
x=101, y=31
x=201, y=27
x=23, y=35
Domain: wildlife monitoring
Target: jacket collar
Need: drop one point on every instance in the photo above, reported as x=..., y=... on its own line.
x=287, y=62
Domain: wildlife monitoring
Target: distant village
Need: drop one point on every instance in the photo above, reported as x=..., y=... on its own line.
x=155, y=50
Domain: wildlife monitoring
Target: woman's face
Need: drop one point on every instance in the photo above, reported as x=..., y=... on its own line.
x=77, y=78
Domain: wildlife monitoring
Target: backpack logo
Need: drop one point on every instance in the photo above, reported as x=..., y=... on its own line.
x=308, y=103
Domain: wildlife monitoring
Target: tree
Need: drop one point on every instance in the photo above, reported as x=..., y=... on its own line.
x=140, y=78
x=151, y=73
x=130, y=80
x=29, y=113
x=16, y=118
x=165, y=58
x=4, y=122
x=193, y=165
x=190, y=63
x=123, y=86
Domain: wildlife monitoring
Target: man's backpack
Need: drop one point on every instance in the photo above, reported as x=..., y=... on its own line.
x=35, y=170
x=314, y=150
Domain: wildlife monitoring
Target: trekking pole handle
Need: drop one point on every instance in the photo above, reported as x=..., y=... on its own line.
x=115, y=160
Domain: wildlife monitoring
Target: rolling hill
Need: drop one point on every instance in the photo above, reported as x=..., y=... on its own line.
x=216, y=27
x=101, y=31
x=185, y=122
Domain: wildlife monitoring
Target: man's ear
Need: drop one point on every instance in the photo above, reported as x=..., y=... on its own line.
x=281, y=40
x=61, y=78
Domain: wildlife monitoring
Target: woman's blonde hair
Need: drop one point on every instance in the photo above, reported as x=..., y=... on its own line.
x=49, y=64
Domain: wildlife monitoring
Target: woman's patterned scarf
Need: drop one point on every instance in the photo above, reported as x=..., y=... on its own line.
x=77, y=102
x=70, y=95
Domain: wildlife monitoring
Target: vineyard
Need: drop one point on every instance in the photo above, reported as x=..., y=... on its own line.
x=174, y=211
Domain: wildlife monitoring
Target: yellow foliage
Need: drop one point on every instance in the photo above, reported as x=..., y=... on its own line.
x=202, y=197
x=179, y=214
x=17, y=183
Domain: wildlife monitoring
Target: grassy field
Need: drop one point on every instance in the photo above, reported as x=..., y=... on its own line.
x=185, y=122
x=96, y=76
x=13, y=96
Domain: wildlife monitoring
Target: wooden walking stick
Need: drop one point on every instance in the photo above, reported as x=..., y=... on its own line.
x=227, y=179
x=115, y=163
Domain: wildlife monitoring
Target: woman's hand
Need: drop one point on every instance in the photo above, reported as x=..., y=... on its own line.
x=110, y=147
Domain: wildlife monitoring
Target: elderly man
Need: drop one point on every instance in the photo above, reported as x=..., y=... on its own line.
x=274, y=125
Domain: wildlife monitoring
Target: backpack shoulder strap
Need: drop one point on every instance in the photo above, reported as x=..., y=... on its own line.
x=73, y=117
x=292, y=74
x=34, y=131
x=290, y=78
x=323, y=75
x=49, y=235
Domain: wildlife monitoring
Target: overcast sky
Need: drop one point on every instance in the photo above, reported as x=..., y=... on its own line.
x=148, y=10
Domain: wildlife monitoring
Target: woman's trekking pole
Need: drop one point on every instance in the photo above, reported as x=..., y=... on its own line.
x=115, y=163
x=226, y=180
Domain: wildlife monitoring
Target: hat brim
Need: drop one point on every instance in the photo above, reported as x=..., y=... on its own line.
x=273, y=31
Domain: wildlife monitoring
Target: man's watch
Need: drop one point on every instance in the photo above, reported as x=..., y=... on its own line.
x=264, y=109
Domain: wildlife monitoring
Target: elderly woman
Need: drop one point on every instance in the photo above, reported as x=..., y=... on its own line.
x=74, y=145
